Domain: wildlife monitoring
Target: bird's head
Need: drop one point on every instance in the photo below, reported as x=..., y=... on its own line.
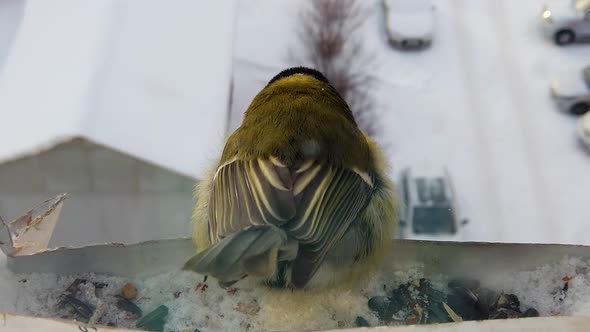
x=302, y=82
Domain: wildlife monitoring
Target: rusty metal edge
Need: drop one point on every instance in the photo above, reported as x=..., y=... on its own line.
x=153, y=257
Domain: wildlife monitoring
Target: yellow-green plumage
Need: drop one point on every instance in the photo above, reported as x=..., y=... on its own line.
x=300, y=195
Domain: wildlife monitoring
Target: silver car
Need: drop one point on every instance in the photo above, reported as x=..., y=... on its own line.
x=409, y=23
x=567, y=21
x=429, y=210
x=571, y=91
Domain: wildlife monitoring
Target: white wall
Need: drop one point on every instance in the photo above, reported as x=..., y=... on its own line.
x=111, y=196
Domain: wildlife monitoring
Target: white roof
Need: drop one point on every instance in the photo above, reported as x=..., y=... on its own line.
x=148, y=78
x=428, y=170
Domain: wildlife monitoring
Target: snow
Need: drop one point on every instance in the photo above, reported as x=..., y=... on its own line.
x=542, y=288
x=215, y=309
x=142, y=77
x=477, y=101
x=211, y=309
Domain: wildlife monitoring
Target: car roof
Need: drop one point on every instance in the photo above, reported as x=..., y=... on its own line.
x=428, y=186
x=409, y=4
x=426, y=170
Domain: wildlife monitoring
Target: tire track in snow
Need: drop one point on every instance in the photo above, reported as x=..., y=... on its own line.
x=515, y=81
x=487, y=169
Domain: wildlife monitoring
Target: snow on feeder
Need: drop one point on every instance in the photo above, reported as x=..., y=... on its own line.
x=141, y=286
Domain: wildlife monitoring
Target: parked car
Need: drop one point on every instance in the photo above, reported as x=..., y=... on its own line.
x=567, y=21
x=429, y=210
x=584, y=131
x=571, y=91
x=409, y=23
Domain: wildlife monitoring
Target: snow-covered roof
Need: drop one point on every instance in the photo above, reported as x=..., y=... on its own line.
x=148, y=78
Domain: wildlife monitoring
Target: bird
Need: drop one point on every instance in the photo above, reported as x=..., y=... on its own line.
x=300, y=197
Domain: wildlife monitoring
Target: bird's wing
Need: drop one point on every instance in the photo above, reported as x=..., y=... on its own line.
x=314, y=204
x=329, y=199
x=245, y=193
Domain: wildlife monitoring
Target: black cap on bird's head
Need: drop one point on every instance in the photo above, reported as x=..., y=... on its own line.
x=299, y=70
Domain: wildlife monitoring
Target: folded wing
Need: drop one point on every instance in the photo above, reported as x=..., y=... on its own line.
x=313, y=203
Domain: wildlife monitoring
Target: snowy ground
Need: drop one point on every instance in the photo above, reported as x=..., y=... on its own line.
x=477, y=101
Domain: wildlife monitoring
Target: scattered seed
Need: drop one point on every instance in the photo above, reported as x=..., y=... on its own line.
x=128, y=306
x=101, y=309
x=155, y=320
x=81, y=308
x=531, y=312
x=129, y=291
x=452, y=314
x=250, y=309
x=361, y=322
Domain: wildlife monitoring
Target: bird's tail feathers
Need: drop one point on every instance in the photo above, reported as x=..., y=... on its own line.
x=252, y=251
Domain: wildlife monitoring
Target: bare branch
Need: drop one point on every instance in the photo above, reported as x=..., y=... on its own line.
x=331, y=42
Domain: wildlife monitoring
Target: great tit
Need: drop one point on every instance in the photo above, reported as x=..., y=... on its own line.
x=300, y=197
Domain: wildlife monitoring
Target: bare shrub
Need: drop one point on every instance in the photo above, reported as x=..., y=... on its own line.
x=330, y=41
